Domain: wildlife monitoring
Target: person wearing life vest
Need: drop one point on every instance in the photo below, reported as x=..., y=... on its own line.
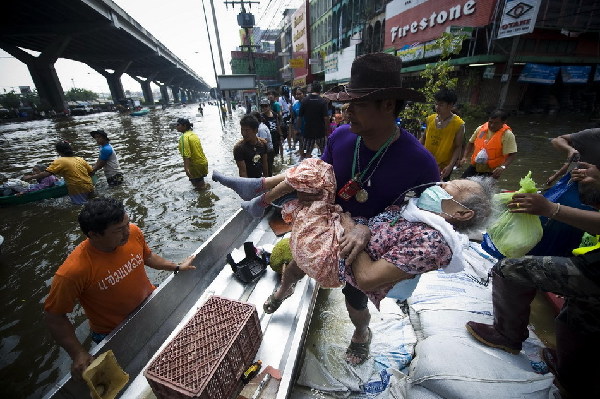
x=492, y=147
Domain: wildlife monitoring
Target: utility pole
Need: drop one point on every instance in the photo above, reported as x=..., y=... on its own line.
x=246, y=21
x=212, y=58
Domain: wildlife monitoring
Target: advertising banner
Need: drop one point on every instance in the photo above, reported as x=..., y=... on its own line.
x=518, y=17
x=575, y=73
x=299, y=40
x=539, y=73
x=422, y=21
x=297, y=63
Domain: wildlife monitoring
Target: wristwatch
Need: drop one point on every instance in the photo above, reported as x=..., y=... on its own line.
x=503, y=166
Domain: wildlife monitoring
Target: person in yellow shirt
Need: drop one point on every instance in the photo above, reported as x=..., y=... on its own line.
x=444, y=133
x=492, y=147
x=194, y=160
x=75, y=170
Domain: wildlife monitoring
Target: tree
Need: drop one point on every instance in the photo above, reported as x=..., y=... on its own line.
x=436, y=75
x=10, y=100
x=76, y=94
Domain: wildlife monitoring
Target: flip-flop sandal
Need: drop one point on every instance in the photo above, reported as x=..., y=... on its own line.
x=359, y=350
x=271, y=304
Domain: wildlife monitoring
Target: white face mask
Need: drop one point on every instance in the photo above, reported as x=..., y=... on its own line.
x=431, y=200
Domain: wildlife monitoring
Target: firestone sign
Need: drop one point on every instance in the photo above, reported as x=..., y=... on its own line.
x=428, y=19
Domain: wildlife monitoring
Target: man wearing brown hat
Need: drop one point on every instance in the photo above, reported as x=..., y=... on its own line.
x=107, y=159
x=375, y=164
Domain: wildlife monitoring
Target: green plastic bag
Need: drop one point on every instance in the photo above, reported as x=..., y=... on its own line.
x=515, y=234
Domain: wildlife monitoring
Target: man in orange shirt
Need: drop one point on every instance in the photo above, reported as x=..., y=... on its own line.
x=105, y=274
x=492, y=147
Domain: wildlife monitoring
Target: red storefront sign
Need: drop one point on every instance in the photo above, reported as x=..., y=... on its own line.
x=428, y=19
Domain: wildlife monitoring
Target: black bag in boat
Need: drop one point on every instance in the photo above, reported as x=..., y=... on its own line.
x=252, y=266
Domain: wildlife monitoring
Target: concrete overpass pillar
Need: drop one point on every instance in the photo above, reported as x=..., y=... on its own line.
x=43, y=73
x=114, y=80
x=175, y=91
x=146, y=88
x=164, y=93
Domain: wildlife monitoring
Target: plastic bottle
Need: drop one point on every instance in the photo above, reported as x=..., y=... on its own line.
x=251, y=371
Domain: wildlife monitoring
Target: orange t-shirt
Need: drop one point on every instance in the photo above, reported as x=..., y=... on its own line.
x=108, y=285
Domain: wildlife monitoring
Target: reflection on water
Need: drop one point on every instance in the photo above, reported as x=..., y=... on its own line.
x=175, y=218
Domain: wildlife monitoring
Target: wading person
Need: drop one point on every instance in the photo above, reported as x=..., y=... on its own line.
x=492, y=147
x=75, y=170
x=107, y=159
x=195, y=163
x=250, y=153
x=105, y=274
x=444, y=133
x=374, y=163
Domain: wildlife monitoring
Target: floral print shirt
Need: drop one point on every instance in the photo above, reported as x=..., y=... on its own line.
x=413, y=247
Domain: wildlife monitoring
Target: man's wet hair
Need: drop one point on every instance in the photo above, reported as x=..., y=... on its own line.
x=499, y=113
x=446, y=95
x=249, y=121
x=64, y=148
x=99, y=213
x=40, y=166
x=315, y=87
x=589, y=194
x=258, y=116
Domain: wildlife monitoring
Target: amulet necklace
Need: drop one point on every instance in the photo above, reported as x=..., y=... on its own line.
x=362, y=195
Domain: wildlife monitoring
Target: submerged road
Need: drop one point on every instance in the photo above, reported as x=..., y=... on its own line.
x=175, y=218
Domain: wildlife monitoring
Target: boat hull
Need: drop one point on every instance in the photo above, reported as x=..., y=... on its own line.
x=149, y=329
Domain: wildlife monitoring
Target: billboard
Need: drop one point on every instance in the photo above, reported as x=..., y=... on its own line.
x=236, y=82
x=518, y=17
x=539, y=73
x=426, y=20
x=300, y=39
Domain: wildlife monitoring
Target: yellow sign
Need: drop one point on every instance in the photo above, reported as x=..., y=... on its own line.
x=297, y=63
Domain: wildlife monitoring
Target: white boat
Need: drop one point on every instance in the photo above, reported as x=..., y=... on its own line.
x=149, y=329
x=427, y=354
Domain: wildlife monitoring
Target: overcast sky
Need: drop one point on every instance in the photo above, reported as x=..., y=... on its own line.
x=178, y=24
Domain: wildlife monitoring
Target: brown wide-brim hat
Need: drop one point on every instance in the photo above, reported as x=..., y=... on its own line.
x=374, y=76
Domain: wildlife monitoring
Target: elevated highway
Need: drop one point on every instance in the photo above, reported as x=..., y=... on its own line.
x=97, y=33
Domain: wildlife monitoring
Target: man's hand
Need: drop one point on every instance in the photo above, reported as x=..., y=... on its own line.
x=262, y=141
x=461, y=162
x=27, y=177
x=187, y=263
x=532, y=203
x=446, y=171
x=80, y=362
x=586, y=173
x=353, y=242
x=497, y=172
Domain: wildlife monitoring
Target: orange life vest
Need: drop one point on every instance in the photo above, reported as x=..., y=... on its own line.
x=493, y=146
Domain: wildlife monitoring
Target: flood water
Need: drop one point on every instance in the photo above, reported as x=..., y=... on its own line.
x=175, y=218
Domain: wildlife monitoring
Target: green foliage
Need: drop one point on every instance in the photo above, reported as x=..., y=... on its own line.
x=76, y=94
x=10, y=100
x=437, y=75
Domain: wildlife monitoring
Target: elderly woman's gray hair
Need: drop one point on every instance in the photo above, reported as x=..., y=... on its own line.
x=480, y=204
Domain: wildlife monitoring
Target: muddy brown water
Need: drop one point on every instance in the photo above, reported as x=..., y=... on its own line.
x=175, y=218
